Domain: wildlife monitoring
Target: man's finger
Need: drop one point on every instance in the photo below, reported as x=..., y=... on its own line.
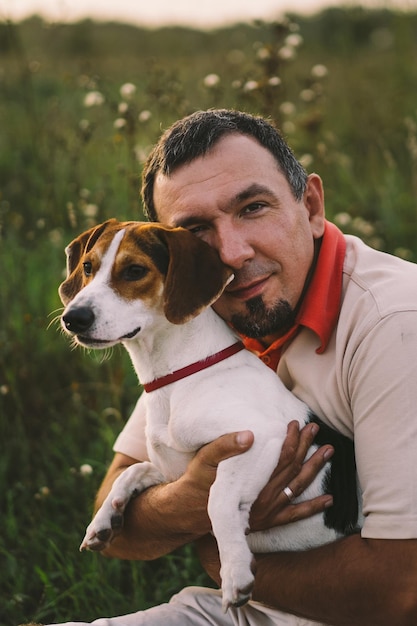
x=225, y=447
x=302, y=510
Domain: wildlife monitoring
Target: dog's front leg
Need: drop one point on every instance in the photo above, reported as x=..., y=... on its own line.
x=239, y=480
x=108, y=521
x=228, y=509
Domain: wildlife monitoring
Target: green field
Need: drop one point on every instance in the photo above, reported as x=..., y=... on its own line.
x=80, y=106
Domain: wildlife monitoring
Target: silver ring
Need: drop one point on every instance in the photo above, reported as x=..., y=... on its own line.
x=289, y=493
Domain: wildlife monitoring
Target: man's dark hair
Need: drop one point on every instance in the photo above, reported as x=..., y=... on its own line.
x=194, y=135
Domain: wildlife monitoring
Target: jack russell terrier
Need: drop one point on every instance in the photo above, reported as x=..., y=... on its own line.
x=150, y=288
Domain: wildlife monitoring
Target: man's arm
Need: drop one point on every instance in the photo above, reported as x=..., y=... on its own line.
x=351, y=582
x=167, y=516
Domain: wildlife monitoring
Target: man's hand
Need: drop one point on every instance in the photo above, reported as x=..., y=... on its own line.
x=201, y=471
x=272, y=507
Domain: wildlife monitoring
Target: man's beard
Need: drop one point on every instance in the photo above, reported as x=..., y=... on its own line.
x=260, y=321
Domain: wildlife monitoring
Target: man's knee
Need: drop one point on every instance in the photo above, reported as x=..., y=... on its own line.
x=201, y=601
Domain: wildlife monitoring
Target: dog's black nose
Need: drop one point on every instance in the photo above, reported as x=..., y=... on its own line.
x=78, y=320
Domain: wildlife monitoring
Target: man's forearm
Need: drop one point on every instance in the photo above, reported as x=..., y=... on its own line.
x=352, y=582
x=155, y=524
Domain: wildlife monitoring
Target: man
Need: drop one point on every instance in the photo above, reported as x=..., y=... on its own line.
x=338, y=321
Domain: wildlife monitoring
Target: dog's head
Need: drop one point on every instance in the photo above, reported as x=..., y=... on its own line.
x=124, y=276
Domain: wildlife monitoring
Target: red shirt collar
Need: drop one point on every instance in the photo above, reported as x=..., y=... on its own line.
x=320, y=309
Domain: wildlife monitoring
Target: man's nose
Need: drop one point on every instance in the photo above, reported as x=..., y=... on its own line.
x=234, y=248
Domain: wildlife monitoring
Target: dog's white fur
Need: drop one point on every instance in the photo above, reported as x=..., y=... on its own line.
x=236, y=394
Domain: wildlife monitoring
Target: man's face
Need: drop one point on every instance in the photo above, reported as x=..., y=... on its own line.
x=237, y=200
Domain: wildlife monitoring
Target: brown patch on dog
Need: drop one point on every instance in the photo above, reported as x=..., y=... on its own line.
x=134, y=275
x=195, y=276
x=76, y=253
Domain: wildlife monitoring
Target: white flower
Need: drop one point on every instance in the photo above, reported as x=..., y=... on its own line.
x=263, y=54
x=43, y=492
x=93, y=99
x=307, y=95
x=294, y=40
x=90, y=210
x=144, y=116
x=86, y=470
x=55, y=236
x=119, y=123
x=404, y=253
x=141, y=153
x=211, y=80
x=123, y=108
x=127, y=90
x=250, y=85
x=319, y=71
x=4, y=390
x=342, y=219
x=363, y=227
x=286, y=53
x=306, y=160
x=287, y=108
x=274, y=81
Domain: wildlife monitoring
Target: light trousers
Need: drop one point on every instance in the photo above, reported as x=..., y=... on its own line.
x=198, y=606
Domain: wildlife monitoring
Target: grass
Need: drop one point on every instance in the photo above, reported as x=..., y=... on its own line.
x=340, y=90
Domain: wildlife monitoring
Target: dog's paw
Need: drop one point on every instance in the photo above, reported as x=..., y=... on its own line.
x=105, y=526
x=237, y=585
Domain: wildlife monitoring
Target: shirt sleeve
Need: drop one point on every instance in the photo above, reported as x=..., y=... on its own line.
x=383, y=388
x=132, y=439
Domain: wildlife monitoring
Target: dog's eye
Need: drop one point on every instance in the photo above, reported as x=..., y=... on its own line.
x=88, y=268
x=135, y=272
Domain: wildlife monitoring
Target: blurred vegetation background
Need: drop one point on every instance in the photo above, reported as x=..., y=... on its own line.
x=80, y=106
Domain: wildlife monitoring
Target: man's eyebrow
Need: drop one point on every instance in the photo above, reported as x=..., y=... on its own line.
x=188, y=221
x=256, y=189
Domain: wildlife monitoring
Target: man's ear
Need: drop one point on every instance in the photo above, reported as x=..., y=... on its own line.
x=314, y=203
x=195, y=276
x=75, y=251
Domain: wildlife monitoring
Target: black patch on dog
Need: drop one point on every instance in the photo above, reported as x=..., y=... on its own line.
x=340, y=480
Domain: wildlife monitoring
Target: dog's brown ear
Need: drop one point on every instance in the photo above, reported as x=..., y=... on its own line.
x=195, y=277
x=75, y=251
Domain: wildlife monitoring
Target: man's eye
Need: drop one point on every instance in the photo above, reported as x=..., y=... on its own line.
x=88, y=268
x=196, y=229
x=253, y=207
x=135, y=272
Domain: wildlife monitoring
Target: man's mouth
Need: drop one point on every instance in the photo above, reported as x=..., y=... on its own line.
x=246, y=292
